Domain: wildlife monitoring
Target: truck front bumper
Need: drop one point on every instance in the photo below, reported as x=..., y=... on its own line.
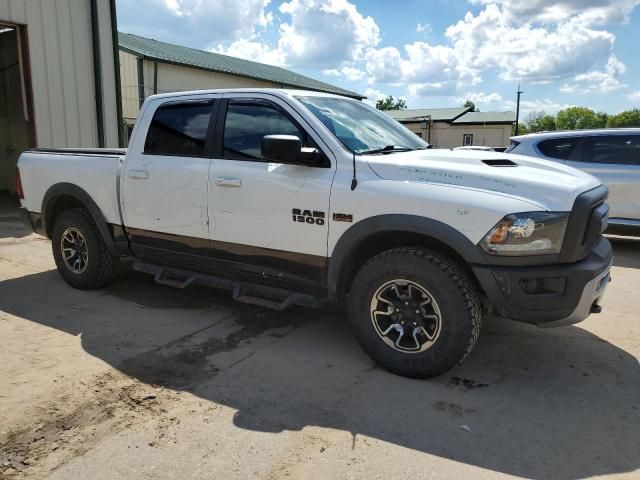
x=553, y=295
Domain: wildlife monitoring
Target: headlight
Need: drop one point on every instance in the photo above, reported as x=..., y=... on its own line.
x=534, y=233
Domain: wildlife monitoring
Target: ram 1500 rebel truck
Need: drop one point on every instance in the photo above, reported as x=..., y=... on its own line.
x=295, y=197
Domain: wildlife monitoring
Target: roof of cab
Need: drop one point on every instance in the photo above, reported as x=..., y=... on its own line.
x=281, y=92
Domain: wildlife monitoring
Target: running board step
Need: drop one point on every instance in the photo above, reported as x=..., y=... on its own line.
x=252, y=293
x=243, y=294
x=167, y=277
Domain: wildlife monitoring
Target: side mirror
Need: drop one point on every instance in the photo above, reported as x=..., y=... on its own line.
x=287, y=149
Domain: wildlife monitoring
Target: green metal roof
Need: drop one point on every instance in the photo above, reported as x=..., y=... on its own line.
x=216, y=62
x=436, y=114
x=486, y=117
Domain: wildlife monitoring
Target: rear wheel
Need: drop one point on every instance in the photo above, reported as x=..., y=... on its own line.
x=415, y=312
x=82, y=257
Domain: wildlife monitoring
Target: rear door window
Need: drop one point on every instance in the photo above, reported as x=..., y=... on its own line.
x=612, y=149
x=179, y=129
x=560, y=148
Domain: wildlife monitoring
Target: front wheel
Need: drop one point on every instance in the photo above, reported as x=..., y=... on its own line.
x=82, y=257
x=415, y=312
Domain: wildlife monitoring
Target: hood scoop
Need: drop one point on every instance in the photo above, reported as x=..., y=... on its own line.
x=500, y=162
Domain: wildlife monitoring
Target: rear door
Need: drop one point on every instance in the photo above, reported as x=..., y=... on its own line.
x=165, y=179
x=269, y=219
x=614, y=159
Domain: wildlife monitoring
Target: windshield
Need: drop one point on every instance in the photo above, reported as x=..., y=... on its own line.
x=361, y=128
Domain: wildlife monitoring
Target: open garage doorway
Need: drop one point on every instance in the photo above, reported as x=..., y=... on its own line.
x=17, y=131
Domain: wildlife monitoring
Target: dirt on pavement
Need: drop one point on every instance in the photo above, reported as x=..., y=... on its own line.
x=140, y=380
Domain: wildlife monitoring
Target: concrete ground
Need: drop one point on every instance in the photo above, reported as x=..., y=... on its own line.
x=143, y=381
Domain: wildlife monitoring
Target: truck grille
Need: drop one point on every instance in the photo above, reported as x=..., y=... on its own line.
x=596, y=224
x=588, y=219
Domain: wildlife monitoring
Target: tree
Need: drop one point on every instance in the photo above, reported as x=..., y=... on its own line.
x=471, y=105
x=629, y=118
x=522, y=129
x=391, y=103
x=573, y=118
x=603, y=119
x=540, y=122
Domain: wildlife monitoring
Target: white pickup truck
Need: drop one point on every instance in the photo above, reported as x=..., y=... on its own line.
x=294, y=197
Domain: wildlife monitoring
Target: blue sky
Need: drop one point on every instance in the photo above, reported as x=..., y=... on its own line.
x=434, y=53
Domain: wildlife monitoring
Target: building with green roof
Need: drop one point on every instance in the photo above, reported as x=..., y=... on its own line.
x=150, y=66
x=456, y=127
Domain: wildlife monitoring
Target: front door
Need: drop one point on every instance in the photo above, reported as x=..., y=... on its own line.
x=268, y=218
x=164, y=182
x=14, y=137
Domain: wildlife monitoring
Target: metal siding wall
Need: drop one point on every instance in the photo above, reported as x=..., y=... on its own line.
x=110, y=100
x=450, y=136
x=61, y=57
x=83, y=72
x=173, y=78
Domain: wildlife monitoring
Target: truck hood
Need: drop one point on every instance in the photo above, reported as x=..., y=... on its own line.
x=550, y=185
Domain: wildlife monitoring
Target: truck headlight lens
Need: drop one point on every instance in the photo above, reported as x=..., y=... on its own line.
x=534, y=233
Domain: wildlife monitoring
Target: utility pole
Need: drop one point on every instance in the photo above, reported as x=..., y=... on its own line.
x=518, y=109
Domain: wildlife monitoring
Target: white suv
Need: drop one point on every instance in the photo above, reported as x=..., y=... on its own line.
x=613, y=155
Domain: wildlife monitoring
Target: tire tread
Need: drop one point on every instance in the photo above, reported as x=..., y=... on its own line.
x=107, y=261
x=447, y=266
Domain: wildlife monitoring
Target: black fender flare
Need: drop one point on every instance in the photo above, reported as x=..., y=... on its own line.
x=69, y=189
x=348, y=243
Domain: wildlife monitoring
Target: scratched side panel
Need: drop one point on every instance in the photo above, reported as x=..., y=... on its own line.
x=173, y=199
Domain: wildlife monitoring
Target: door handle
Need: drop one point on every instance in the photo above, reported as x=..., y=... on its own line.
x=228, y=182
x=138, y=174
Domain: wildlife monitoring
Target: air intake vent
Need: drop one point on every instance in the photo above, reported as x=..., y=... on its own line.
x=500, y=163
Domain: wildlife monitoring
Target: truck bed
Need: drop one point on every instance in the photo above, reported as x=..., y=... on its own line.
x=94, y=170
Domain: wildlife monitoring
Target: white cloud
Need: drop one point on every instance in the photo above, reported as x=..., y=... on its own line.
x=480, y=98
x=427, y=67
x=527, y=106
x=568, y=49
x=384, y=65
x=605, y=80
x=536, y=41
x=423, y=28
x=549, y=11
x=253, y=50
x=195, y=23
x=526, y=52
x=374, y=95
x=427, y=62
x=325, y=33
x=330, y=34
x=634, y=97
x=431, y=89
x=350, y=73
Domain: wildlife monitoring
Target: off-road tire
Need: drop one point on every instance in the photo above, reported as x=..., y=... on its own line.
x=101, y=267
x=449, y=285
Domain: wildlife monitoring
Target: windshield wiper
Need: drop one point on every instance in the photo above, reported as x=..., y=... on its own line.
x=387, y=149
